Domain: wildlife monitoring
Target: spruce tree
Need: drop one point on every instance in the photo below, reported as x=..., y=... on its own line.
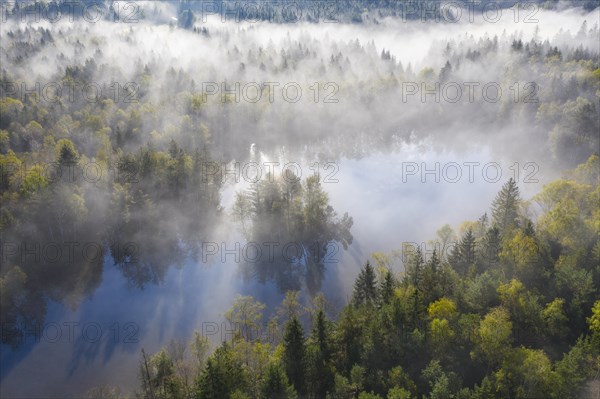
x=386, y=290
x=222, y=376
x=505, y=208
x=294, y=353
x=490, y=248
x=365, y=288
x=463, y=255
x=320, y=372
x=431, y=285
x=276, y=385
x=415, y=278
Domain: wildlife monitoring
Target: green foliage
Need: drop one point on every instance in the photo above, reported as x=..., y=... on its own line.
x=398, y=393
x=365, y=286
x=463, y=255
x=4, y=141
x=481, y=292
x=493, y=337
x=275, y=384
x=66, y=153
x=576, y=132
x=294, y=356
x=555, y=318
x=505, y=208
x=244, y=317
x=576, y=366
x=368, y=395
x=34, y=182
x=222, y=376
x=526, y=373
x=523, y=306
x=285, y=210
x=319, y=370
x=594, y=323
x=571, y=212
x=387, y=287
x=442, y=384
x=432, y=279
x=594, y=320
x=400, y=382
x=442, y=309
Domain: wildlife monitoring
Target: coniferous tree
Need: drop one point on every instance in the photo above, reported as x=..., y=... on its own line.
x=529, y=229
x=445, y=72
x=386, y=289
x=365, y=288
x=415, y=278
x=67, y=153
x=482, y=226
x=505, y=208
x=320, y=372
x=222, y=375
x=490, y=248
x=294, y=354
x=463, y=255
x=320, y=334
x=67, y=159
x=276, y=385
x=431, y=286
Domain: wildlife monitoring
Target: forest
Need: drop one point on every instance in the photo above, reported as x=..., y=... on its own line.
x=511, y=312
x=117, y=139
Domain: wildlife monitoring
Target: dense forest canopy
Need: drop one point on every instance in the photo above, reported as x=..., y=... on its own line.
x=119, y=136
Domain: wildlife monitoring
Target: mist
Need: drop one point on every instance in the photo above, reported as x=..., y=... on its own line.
x=411, y=125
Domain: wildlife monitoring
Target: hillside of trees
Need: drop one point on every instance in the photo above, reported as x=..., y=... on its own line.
x=511, y=311
x=282, y=11
x=549, y=86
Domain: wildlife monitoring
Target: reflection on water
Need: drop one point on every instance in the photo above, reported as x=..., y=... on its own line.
x=128, y=319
